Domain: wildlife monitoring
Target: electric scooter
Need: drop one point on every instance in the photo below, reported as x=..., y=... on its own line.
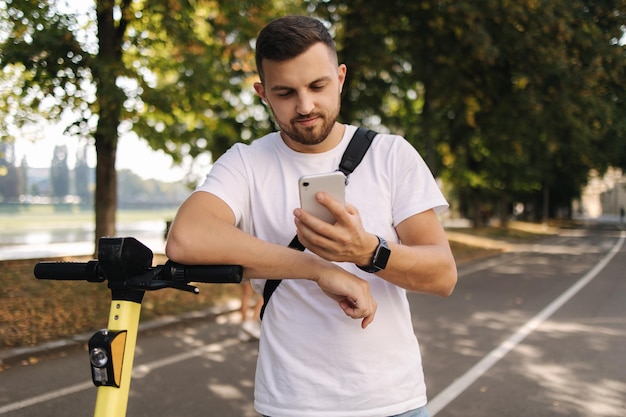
x=127, y=266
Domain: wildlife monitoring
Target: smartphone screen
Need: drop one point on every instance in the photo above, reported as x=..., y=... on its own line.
x=333, y=183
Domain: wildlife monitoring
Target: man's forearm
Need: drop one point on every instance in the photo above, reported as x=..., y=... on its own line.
x=429, y=269
x=225, y=244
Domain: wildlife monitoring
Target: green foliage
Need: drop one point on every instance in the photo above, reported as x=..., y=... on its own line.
x=44, y=66
x=507, y=100
x=176, y=72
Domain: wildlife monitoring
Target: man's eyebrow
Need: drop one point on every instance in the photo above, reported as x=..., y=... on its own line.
x=284, y=87
x=280, y=88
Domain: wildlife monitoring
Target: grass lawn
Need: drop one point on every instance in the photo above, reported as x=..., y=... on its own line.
x=47, y=217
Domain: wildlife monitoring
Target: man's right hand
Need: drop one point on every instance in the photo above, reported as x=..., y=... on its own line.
x=350, y=292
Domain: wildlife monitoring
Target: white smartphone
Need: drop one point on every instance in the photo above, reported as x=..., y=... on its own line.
x=332, y=183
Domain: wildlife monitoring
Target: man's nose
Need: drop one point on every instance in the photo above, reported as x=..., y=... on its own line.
x=305, y=104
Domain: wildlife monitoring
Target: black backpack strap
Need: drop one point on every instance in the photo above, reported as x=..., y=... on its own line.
x=272, y=284
x=351, y=158
x=356, y=150
x=268, y=290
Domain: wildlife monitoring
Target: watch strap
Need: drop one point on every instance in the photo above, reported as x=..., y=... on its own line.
x=379, y=258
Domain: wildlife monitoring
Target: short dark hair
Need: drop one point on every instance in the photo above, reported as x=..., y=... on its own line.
x=288, y=37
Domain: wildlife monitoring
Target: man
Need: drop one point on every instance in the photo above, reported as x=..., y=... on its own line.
x=314, y=359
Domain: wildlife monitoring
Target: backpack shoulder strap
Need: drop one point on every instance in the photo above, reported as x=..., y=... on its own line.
x=352, y=157
x=356, y=150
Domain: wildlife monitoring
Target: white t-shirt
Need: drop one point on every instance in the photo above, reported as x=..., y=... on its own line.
x=314, y=361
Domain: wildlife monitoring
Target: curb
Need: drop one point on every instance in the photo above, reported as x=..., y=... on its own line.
x=478, y=241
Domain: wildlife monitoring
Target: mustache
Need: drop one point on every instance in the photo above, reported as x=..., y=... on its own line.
x=307, y=117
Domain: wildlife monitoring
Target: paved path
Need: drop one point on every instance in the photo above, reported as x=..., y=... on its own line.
x=538, y=330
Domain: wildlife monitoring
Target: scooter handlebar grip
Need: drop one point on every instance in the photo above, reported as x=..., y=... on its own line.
x=210, y=274
x=72, y=271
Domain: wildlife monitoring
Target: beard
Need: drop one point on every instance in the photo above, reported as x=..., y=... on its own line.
x=309, y=135
x=312, y=135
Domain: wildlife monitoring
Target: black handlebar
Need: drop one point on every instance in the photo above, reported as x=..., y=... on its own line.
x=79, y=271
x=171, y=271
x=202, y=273
x=126, y=264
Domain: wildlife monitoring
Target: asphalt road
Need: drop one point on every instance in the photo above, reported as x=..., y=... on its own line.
x=537, y=331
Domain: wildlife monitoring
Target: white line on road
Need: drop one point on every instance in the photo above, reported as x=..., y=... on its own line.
x=141, y=369
x=19, y=405
x=453, y=390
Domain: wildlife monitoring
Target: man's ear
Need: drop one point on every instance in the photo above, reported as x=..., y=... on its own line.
x=342, y=70
x=260, y=90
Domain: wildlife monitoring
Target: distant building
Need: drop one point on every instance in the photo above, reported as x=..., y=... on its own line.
x=603, y=196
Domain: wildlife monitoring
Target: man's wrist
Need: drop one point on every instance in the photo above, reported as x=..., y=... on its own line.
x=378, y=260
x=371, y=245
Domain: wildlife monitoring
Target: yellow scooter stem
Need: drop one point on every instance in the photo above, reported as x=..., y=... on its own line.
x=112, y=401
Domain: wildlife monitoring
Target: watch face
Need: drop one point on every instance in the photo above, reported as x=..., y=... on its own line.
x=382, y=256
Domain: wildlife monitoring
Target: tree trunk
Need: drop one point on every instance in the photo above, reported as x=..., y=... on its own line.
x=106, y=186
x=503, y=211
x=477, y=218
x=545, y=212
x=110, y=100
x=428, y=120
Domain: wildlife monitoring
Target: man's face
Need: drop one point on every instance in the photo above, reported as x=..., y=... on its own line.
x=304, y=94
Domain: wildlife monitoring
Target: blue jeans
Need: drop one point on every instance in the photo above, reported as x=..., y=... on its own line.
x=418, y=412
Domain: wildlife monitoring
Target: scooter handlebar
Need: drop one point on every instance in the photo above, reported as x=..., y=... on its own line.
x=211, y=274
x=92, y=271
x=73, y=271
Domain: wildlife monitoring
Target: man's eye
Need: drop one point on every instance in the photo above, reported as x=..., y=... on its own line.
x=317, y=87
x=284, y=94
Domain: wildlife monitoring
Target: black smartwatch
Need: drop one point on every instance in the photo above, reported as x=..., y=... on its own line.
x=380, y=258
